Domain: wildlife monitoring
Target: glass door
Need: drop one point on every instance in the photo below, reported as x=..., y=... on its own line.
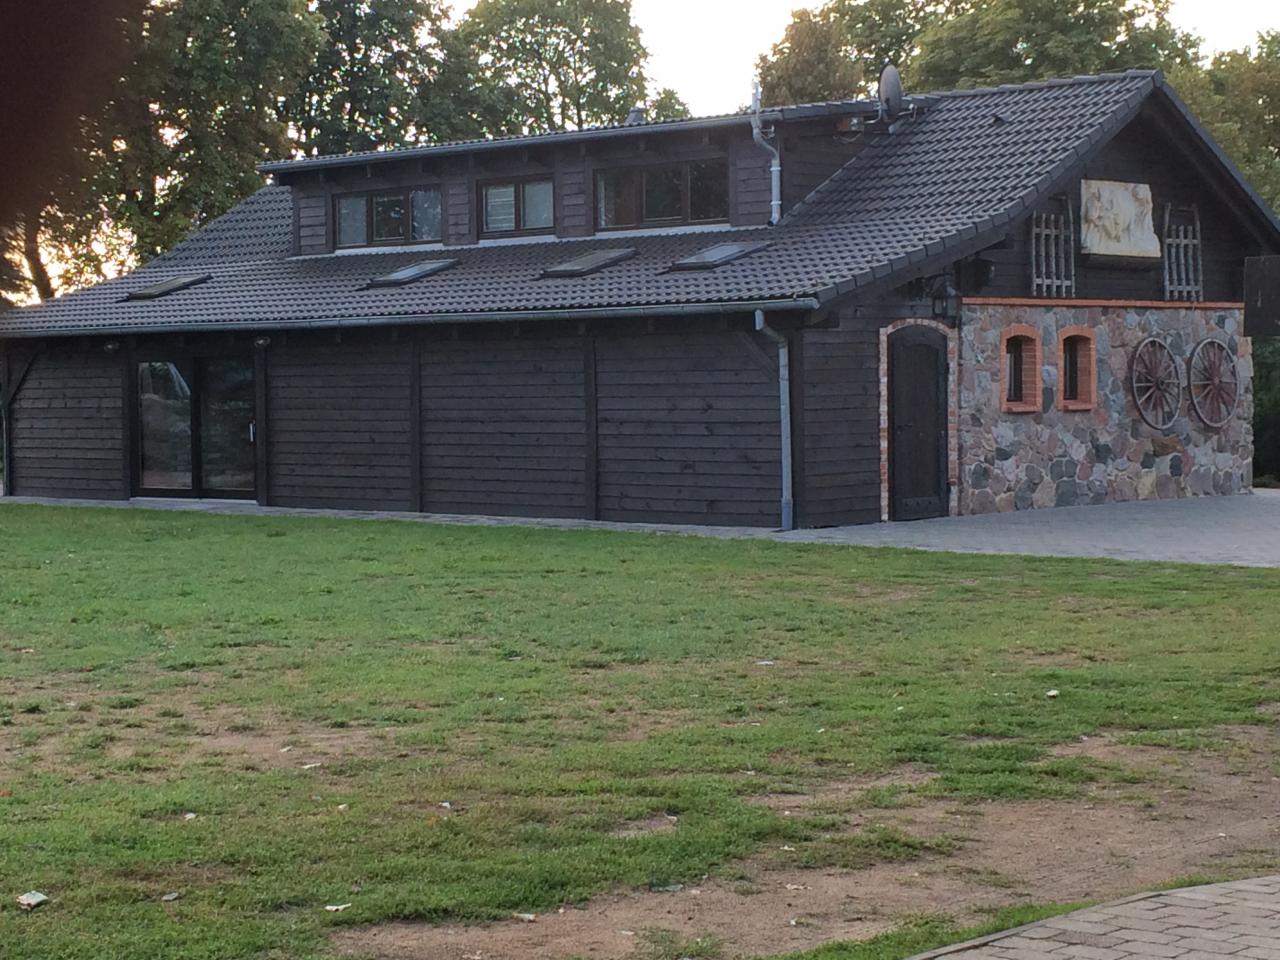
x=164, y=428
x=196, y=428
x=226, y=427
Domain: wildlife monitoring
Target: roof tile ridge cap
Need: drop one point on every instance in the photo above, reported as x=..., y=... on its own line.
x=1045, y=84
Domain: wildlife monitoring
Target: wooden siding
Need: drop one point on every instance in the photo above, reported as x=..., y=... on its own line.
x=459, y=225
x=339, y=426
x=574, y=201
x=688, y=429
x=68, y=428
x=1139, y=154
x=841, y=444
x=503, y=426
x=750, y=184
x=313, y=223
x=810, y=158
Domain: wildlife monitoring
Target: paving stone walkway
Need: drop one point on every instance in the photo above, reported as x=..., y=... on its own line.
x=1238, y=920
x=1243, y=530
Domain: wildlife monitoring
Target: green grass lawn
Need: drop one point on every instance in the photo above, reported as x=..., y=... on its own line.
x=551, y=687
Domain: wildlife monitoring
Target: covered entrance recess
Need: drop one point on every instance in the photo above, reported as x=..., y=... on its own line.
x=195, y=429
x=918, y=460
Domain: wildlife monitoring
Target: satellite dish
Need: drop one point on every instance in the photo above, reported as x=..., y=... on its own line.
x=891, y=94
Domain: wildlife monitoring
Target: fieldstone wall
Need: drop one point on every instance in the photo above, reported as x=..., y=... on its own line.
x=1012, y=461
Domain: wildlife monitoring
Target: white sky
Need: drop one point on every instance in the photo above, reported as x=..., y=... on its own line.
x=707, y=49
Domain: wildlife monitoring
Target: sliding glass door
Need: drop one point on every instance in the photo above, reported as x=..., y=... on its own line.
x=195, y=428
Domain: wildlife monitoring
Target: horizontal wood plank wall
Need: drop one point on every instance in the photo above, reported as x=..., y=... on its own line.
x=841, y=426
x=504, y=426
x=339, y=418
x=1139, y=154
x=688, y=429
x=68, y=428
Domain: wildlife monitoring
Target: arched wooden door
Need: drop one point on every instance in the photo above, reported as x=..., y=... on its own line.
x=917, y=424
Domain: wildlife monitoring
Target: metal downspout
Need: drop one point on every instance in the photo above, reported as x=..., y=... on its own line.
x=788, y=509
x=775, y=167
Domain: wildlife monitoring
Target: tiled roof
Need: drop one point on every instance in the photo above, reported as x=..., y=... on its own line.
x=977, y=154
x=942, y=184
x=800, y=263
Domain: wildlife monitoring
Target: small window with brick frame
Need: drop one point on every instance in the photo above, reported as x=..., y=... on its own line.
x=1020, y=372
x=1077, y=376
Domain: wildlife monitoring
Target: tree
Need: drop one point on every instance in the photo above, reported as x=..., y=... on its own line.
x=1238, y=100
x=1014, y=41
x=568, y=64
x=667, y=105
x=179, y=140
x=364, y=87
x=880, y=32
x=811, y=63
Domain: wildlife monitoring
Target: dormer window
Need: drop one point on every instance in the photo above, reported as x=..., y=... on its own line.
x=663, y=194
x=388, y=217
x=526, y=206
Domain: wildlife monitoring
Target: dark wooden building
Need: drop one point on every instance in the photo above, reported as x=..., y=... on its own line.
x=837, y=313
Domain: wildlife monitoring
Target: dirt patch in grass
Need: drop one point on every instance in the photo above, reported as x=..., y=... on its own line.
x=74, y=728
x=1189, y=812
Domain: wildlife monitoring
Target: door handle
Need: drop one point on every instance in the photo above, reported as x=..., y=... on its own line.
x=253, y=431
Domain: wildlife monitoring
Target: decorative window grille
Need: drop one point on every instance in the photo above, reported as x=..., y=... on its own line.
x=1053, y=252
x=1183, y=260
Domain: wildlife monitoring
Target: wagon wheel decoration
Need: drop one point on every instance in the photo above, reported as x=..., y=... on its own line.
x=1157, y=383
x=1215, y=382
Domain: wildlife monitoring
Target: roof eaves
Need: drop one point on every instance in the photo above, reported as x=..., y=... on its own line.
x=794, y=304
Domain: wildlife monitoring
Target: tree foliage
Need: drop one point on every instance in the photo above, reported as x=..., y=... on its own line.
x=179, y=140
x=1013, y=41
x=568, y=64
x=811, y=63
x=363, y=87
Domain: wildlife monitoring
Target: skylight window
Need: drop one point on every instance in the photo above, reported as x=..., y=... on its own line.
x=589, y=263
x=172, y=285
x=407, y=275
x=718, y=256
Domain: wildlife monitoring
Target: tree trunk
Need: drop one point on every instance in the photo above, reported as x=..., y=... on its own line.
x=35, y=261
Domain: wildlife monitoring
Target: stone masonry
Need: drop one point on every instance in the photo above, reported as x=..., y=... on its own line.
x=1054, y=457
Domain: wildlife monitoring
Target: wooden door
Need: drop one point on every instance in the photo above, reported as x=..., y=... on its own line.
x=918, y=424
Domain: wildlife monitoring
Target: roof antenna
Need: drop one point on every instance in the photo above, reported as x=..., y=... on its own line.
x=890, y=93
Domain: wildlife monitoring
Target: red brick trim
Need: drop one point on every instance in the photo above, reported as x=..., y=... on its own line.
x=1140, y=304
x=1031, y=379
x=1088, y=372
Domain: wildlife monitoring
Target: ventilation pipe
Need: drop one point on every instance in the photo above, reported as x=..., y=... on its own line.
x=788, y=509
x=775, y=168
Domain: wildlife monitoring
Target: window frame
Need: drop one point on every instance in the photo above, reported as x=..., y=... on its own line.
x=1030, y=370
x=1086, y=369
x=406, y=194
x=519, y=184
x=686, y=199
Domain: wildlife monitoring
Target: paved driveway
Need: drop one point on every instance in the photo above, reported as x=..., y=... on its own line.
x=1240, y=920
x=1241, y=530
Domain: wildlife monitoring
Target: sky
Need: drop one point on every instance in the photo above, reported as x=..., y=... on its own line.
x=707, y=49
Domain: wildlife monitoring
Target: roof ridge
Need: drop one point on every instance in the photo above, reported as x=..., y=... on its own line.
x=1048, y=82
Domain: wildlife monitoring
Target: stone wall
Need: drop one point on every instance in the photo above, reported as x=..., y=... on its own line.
x=1017, y=461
